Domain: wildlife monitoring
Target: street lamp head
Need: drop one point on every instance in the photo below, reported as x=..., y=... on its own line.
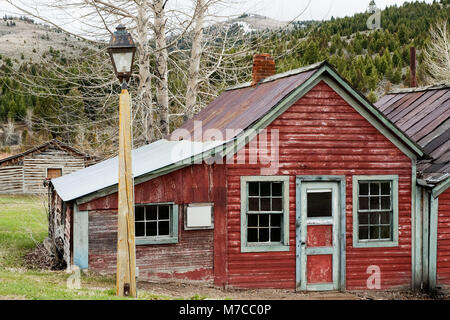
x=122, y=50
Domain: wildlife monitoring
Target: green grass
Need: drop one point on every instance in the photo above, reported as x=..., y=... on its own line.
x=23, y=223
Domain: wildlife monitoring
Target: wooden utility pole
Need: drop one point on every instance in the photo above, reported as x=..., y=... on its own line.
x=126, y=249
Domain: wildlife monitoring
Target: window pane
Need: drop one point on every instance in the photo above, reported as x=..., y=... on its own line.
x=253, y=204
x=374, y=203
x=163, y=212
x=275, y=235
x=374, y=232
x=253, y=188
x=265, y=188
x=386, y=218
x=363, y=218
x=364, y=233
x=363, y=203
x=363, y=188
x=277, y=188
x=264, y=235
x=264, y=220
x=252, y=220
x=277, y=204
x=151, y=229
x=386, y=202
x=374, y=188
x=319, y=204
x=151, y=212
x=140, y=229
x=385, y=232
x=139, y=213
x=275, y=220
x=374, y=218
x=164, y=229
x=252, y=235
x=265, y=204
x=386, y=188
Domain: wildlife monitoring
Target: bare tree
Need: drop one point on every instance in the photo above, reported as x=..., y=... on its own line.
x=184, y=51
x=437, y=54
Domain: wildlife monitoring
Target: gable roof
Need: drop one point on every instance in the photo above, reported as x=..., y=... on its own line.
x=424, y=115
x=53, y=142
x=242, y=109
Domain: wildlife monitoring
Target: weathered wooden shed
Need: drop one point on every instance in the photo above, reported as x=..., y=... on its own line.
x=424, y=115
x=292, y=181
x=24, y=173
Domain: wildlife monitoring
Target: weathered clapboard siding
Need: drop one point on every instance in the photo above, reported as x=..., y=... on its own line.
x=322, y=135
x=11, y=180
x=192, y=257
x=35, y=167
x=443, y=242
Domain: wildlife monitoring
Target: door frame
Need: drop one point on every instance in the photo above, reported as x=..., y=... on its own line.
x=342, y=226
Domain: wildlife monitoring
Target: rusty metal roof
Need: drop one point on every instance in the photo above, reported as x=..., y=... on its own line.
x=240, y=106
x=424, y=115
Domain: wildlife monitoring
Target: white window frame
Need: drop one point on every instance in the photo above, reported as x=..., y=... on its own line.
x=173, y=216
x=357, y=243
x=265, y=247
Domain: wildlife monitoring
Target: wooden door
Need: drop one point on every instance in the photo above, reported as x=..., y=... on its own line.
x=319, y=236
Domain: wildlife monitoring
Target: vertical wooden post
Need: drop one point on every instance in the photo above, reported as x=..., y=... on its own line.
x=412, y=62
x=126, y=252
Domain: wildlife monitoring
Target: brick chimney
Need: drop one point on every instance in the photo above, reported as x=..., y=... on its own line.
x=263, y=67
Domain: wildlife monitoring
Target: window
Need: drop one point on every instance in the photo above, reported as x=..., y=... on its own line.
x=54, y=173
x=264, y=214
x=375, y=211
x=156, y=223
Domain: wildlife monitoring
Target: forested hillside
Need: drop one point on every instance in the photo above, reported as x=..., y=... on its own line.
x=373, y=61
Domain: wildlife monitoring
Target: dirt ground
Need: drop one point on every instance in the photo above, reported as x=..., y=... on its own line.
x=182, y=289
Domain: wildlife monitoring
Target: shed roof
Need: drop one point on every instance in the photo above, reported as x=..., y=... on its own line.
x=146, y=159
x=424, y=115
x=53, y=142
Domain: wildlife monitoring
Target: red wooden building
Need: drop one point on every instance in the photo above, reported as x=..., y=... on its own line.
x=291, y=181
x=423, y=114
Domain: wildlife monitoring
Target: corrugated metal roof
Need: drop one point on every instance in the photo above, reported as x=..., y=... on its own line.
x=424, y=115
x=238, y=107
x=146, y=159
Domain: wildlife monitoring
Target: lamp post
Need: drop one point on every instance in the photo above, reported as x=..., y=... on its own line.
x=122, y=50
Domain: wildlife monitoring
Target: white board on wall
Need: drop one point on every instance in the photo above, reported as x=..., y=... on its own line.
x=199, y=216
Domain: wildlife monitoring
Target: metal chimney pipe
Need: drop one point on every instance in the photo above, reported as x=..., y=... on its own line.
x=412, y=61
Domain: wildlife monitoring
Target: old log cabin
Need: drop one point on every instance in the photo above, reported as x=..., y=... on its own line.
x=26, y=172
x=293, y=181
